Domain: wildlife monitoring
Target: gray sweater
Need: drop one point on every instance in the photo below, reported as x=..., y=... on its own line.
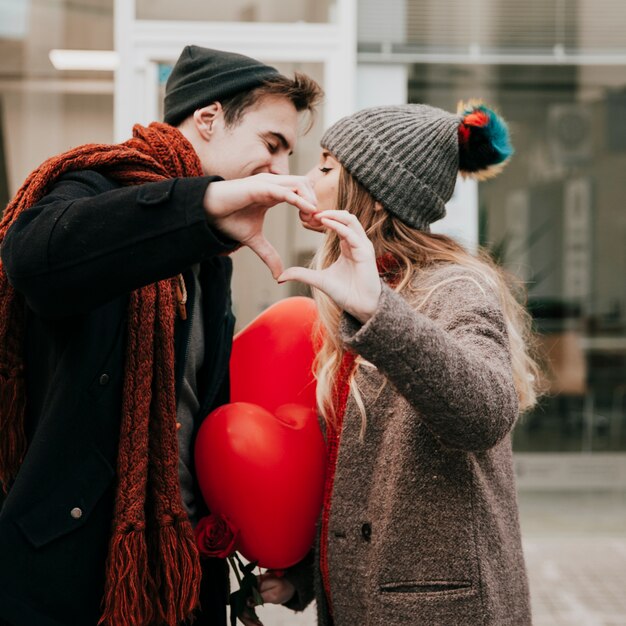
x=423, y=526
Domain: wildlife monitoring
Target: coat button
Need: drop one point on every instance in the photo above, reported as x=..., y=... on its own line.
x=76, y=512
x=104, y=379
x=366, y=531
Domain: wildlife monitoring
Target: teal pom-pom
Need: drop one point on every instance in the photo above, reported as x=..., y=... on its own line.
x=484, y=141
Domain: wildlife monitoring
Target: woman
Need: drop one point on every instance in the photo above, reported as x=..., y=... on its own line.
x=423, y=371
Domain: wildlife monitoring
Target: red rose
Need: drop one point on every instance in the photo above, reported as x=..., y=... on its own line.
x=216, y=536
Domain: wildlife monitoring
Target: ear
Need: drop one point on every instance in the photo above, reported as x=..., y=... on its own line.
x=378, y=206
x=205, y=117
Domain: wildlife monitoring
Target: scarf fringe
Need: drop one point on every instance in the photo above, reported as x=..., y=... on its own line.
x=12, y=432
x=178, y=574
x=129, y=588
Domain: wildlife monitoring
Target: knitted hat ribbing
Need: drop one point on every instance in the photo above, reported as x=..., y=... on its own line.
x=408, y=156
x=202, y=76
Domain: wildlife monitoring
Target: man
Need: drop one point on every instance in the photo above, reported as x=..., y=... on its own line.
x=115, y=332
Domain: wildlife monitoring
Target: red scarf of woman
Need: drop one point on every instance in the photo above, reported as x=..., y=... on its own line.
x=149, y=516
x=388, y=268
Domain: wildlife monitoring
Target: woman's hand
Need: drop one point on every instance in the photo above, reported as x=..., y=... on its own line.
x=273, y=590
x=352, y=281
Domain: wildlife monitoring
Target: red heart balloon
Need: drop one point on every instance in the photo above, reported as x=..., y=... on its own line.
x=272, y=358
x=265, y=473
x=261, y=460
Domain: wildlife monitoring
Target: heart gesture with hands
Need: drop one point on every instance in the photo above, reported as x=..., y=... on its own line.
x=237, y=209
x=352, y=281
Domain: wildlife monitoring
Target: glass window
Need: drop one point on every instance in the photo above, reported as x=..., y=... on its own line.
x=555, y=218
x=237, y=11
x=44, y=111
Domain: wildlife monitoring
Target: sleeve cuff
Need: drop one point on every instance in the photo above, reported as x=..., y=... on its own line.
x=195, y=188
x=354, y=334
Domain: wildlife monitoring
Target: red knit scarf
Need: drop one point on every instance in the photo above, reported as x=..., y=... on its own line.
x=153, y=569
x=388, y=268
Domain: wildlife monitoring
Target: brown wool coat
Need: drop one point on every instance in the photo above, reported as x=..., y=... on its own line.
x=423, y=526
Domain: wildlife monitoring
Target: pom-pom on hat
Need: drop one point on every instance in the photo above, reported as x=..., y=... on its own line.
x=484, y=144
x=408, y=156
x=202, y=75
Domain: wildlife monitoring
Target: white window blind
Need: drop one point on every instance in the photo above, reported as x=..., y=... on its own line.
x=492, y=26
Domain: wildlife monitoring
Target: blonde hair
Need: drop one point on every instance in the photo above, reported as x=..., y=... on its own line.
x=415, y=251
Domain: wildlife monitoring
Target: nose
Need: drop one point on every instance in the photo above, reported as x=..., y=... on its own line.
x=280, y=164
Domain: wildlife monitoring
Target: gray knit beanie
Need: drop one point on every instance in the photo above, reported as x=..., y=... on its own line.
x=408, y=156
x=202, y=75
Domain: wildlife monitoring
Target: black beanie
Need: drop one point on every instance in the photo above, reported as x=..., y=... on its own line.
x=202, y=76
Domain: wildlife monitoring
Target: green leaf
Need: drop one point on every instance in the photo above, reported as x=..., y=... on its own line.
x=248, y=588
x=258, y=598
x=249, y=568
x=250, y=612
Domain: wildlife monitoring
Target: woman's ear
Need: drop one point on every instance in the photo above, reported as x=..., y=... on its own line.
x=205, y=118
x=378, y=206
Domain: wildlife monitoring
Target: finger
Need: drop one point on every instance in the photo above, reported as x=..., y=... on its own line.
x=353, y=239
x=277, y=194
x=298, y=184
x=301, y=203
x=267, y=253
x=276, y=590
x=303, y=275
x=310, y=221
x=345, y=217
x=306, y=189
x=315, y=229
x=267, y=581
x=276, y=595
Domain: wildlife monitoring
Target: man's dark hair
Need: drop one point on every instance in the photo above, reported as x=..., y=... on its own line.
x=301, y=90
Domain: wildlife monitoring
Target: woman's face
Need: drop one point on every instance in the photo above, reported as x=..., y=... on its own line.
x=325, y=179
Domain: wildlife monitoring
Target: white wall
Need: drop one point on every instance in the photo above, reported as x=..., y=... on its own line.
x=379, y=84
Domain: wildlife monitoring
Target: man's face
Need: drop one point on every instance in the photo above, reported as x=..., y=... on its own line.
x=260, y=142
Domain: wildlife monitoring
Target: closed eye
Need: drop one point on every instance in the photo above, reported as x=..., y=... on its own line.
x=275, y=141
x=325, y=170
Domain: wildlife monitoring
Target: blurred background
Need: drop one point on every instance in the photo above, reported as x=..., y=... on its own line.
x=78, y=71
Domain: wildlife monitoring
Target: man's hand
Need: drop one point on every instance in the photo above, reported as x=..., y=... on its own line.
x=237, y=208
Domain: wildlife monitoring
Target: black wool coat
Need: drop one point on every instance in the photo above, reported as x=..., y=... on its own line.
x=75, y=256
